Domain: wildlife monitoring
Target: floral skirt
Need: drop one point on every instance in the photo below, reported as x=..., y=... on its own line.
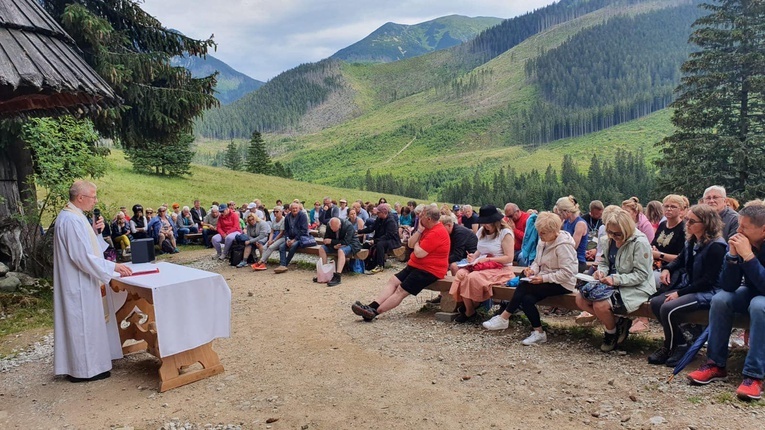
x=477, y=286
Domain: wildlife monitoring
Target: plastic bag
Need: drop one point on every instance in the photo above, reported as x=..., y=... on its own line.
x=324, y=272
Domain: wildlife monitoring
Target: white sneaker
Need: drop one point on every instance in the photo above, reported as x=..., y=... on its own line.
x=536, y=337
x=496, y=323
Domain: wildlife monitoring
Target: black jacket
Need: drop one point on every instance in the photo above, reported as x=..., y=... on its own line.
x=196, y=217
x=345, y=236
x=702, y=270
x=463, y=240
x=385, y=230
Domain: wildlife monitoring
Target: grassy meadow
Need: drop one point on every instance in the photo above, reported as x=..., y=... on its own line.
x=123, y=187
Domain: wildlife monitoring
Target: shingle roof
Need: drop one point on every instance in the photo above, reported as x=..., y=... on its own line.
x=41, y=73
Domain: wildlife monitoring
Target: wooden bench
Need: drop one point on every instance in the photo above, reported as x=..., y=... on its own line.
x=568, y=301
x=191, y=237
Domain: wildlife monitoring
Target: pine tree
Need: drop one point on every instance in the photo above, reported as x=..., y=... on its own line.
x=172, y=159
x=131, y=50
x=258, y=160
x=233, y=157
x=718, y=115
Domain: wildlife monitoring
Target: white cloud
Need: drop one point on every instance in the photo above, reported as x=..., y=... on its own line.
x=265, y=37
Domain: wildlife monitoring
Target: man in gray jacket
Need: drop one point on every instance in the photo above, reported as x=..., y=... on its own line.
x=714, y=196
x=340, y=239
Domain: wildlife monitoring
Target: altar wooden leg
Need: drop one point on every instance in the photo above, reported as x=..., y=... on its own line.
x=170, y=372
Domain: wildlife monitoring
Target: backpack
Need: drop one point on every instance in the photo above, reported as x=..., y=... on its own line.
x=167, y=247
x=237, y=253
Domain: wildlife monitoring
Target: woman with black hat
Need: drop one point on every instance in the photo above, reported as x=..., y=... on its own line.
x=138, y=223
x=491, y=264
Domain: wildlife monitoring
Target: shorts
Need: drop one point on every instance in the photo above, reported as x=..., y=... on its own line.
x=330, y=250
x=414, y=280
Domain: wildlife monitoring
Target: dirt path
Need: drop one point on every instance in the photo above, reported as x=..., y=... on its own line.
x=298, y=354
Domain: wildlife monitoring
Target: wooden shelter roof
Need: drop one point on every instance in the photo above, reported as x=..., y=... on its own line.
x=41, y=72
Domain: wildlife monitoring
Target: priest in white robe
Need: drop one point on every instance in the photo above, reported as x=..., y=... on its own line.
x=86, y=339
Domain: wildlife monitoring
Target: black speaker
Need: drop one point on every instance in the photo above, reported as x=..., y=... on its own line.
x=142, y=250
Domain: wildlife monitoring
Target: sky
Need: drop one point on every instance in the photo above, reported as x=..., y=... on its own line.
x=263, y=38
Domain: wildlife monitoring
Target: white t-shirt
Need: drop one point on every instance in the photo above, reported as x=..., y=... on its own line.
x=493, y=246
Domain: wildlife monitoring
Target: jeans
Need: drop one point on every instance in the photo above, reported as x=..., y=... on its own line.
x=286, y=253
x=724, y=306
x=207, y=235
x=267, y=251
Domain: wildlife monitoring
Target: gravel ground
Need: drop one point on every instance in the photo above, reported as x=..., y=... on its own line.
x=299, y=359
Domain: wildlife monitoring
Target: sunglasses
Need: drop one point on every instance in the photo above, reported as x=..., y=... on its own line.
x=691, y=222
x=614, y=233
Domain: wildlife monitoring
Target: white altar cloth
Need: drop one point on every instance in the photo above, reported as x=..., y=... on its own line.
x=191, y=307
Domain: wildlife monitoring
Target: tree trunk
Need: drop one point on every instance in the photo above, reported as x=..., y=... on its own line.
x=18, y=237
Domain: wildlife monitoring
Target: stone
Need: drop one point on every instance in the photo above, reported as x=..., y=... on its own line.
x=4, y=269
x=657, y=420
x=446, y=316
x=25, y=279
x=9, y=284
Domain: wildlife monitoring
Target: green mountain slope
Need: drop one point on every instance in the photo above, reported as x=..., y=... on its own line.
x=392, y=42
x=231, y=86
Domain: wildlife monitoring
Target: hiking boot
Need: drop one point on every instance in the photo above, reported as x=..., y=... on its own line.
x=677, y=354
x=659, y=356
x=281, y=269
x=622, y=329
x=535, y=338
x=707, y=373
x=434, y=301
x=364, y=311
x=750, y=389
x=241, y=264
x=259, y=266
x=496, y=323
x=334, y=281
x=376, y=270
x=609, y=342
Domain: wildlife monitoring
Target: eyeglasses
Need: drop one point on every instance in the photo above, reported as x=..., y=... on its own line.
x=671, y=207
x=711, y=198
x=90, y=197
x=691, y=222
x=616, y=234
x=149, y=212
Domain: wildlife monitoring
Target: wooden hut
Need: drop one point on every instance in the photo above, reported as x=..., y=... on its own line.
x=41, y=74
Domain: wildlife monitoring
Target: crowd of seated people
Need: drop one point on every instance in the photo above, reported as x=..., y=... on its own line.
x=676, y=257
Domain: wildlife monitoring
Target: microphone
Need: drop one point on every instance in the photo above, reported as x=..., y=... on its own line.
x=96, y=216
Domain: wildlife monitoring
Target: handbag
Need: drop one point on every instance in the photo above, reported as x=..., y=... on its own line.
x=324, y=272
x=306, y=241
x=596, y=291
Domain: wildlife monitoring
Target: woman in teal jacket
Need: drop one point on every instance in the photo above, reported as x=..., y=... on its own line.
x=626, y=268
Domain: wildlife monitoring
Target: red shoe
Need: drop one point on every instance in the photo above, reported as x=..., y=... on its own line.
x=707, y=373
x=750, y=389
x=259, y=266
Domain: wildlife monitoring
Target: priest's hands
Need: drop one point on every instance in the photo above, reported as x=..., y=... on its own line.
x=122, y=269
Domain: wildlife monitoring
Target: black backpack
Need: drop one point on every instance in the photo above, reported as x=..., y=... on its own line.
x=167, y=247
x=237, y=253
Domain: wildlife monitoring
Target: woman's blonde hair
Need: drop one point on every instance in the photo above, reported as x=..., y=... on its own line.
x=622, y=220
x=547, y=222
x=255, y=217
x=633, y=205
x=677, y=199
x=567, y=204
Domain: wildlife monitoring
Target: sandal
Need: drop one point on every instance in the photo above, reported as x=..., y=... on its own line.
x=638, y=326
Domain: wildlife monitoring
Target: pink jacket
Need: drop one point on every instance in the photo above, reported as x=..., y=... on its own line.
x=645, y=227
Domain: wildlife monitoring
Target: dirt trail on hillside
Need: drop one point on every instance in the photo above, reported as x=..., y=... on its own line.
x=298, y=354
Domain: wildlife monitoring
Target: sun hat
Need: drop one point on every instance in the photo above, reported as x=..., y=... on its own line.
x=251, y=206
x=222, y=207
x=488, y=214
x=455, y=208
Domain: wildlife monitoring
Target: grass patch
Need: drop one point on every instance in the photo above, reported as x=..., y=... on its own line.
x=725, y=397
x=22, y=312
